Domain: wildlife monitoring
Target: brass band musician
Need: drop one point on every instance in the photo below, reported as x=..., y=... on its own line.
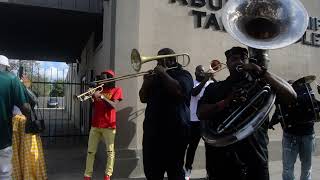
x=103, y=125
x=165, y=128
x=247, y=158
x=297, y=121
x=201, y=81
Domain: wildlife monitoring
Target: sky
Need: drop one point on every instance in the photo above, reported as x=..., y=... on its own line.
x=53, y=70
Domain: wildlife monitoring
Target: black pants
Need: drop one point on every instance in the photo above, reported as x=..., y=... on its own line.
x=229, y=164
x=193, y=142
x=163, y=154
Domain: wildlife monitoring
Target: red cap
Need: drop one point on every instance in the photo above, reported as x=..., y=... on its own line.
x=109, y=71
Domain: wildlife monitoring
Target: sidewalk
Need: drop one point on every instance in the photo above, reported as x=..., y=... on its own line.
x=275, y=172
x=66, y=162
x=275, y=169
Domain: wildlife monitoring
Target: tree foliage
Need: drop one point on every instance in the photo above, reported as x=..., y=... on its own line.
x=57, y=89
x=32, y=70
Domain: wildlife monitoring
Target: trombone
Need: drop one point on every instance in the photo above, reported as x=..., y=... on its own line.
x=136, y=62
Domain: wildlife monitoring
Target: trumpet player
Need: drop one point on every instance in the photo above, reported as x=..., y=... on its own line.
x=165, y=128
x=202, y=80
x=246, y=159
x=103, y=125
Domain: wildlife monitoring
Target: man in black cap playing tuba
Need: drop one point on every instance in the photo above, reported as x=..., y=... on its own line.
x=246, y=159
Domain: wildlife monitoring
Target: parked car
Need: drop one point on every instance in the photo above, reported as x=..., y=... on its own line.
x=53, y=103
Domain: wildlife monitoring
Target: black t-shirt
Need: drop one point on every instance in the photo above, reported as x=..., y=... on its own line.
x=298, y=119
x=300, y=130
x=165, y=116
x=250, y=151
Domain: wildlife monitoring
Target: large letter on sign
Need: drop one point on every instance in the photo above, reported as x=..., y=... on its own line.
x=213, y=5
x=198, y=3
x=212, y=21
x=183, y=2
x=199, y=16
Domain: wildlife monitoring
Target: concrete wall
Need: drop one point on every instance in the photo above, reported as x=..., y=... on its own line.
x=127, y=37
x=149, y=25
x=163, y=24
x=113, y=53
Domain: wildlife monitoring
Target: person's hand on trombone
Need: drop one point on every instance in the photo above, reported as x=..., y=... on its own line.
x=159, y=70
x=97, y=95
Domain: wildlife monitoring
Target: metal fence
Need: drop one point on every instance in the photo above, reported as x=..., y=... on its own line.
x=63, y=114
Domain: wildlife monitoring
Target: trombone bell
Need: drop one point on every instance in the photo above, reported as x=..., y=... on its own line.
x=137, y=60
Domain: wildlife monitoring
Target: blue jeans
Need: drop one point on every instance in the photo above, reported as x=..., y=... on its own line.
x=5, y=163
x=292, y=146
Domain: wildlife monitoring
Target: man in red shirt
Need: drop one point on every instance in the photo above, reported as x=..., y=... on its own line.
x=103, y=125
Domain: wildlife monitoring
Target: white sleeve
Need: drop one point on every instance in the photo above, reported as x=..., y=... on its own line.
x=16, y=111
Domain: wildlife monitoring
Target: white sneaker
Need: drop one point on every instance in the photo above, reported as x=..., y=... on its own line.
x=187, y=173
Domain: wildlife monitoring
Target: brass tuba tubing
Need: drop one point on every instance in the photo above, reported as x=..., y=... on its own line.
x=240, y=110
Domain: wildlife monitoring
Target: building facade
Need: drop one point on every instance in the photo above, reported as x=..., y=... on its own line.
x=187, y=26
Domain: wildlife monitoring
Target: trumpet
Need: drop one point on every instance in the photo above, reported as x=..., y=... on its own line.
x=215, y=67
x=88, y=95
x=136, y=62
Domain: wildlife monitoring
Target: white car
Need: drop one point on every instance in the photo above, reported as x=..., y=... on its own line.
x=53, y=103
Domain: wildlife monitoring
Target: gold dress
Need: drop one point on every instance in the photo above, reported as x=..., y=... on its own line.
x=28, y=158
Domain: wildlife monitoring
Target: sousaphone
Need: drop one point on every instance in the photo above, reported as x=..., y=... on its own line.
x=261, y=25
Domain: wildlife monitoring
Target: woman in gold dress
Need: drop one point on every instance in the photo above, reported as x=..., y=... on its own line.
x=28, y=157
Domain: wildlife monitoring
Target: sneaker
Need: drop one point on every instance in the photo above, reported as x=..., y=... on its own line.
x=87, y=178
x=106, y=177
x=187, y=173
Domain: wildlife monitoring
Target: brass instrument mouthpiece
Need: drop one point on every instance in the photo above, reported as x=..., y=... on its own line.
x=239, y=68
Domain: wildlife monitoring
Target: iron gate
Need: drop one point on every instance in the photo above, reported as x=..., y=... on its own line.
x=64, y=115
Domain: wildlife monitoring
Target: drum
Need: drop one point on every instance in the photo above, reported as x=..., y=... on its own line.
x=306, y=108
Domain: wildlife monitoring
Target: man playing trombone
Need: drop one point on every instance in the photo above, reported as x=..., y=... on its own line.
x=103, y=124
x=165, y=128
x=247, y=158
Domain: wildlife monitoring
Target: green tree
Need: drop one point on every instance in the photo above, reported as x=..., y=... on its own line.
x=57, y=89
x=41, y=86
x=32, y=70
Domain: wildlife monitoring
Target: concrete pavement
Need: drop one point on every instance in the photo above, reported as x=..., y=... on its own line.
x=68, y=163
x=275, y=169
x=66, y=159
